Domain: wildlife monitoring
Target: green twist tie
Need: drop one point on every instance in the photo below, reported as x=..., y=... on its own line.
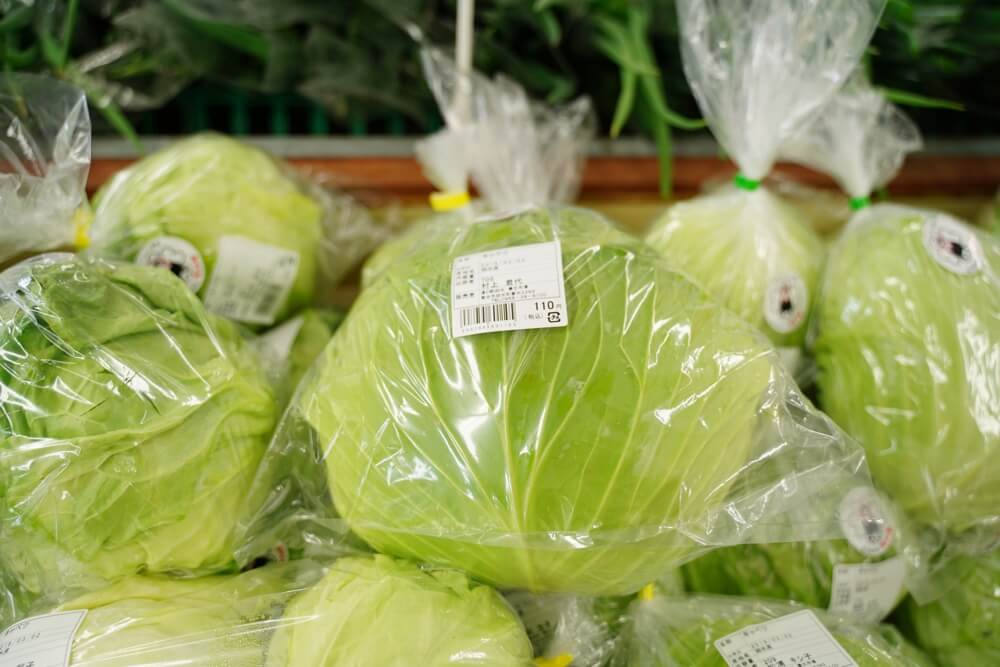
x=858, y=203
x=744, y=183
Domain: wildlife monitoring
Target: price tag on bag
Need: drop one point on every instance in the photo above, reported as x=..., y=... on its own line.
x=509, y=289
x=867, y=591
x=795, y=639
x=250, y=281
x=40, y=641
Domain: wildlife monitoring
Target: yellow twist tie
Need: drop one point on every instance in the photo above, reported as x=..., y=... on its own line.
x=648, y=592
x=81, y=227
x=449, y=201
x=564, y=660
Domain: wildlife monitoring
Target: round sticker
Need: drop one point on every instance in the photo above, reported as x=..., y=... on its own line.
x=786, y=303
x=867, y=525
x=952, y=245
x=177, y=256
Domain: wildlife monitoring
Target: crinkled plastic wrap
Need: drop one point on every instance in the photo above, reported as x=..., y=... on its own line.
x=45, y=148
x=962, y=628
x=588, y=458
x=759, y=70
x=907, y=342
x=288, y=350
x=865, y=573
x=131, y=426
x=680, y=632
x=356, y=611
x=256, y=242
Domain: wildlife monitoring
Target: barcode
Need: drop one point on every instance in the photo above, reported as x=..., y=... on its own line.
x=500, y=312
x=269, y=296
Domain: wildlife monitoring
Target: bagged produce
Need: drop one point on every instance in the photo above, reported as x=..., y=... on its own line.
x=907, y=328
x=962, y=627
x=380, y=611
x=539, y=399
x=256, y=242
x=570, y=630
x=45, y=140
x=713, y=631
x=863, y=575
x=288, y=350
x=131, y=426
x=758, y=71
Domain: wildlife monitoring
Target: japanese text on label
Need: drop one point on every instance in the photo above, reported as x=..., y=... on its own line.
x=41, y=641
x=251, y=280
x=796, y=640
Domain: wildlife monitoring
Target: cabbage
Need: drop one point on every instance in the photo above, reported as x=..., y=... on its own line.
x=380, y=611
x=754, y=253
x=682, y=632
x=577, y=459
x=200, y=190
x=220, y=620
x=908, y=352
x=962, y=628
x=131, y=424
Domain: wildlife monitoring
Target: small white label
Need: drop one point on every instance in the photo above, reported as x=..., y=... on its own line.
x=796, y=639
x=786, y=303
x=251, y=280
x=866, y=523
x=177, y=256
x=41, y=641
x=508, y=290
x=275, y=345
x=952, y=245
x=867, y=592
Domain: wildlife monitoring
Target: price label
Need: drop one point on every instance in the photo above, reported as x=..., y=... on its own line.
x=795, y=639
x=40, y=641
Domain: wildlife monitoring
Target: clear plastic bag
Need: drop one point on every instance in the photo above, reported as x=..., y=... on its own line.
x=358, y=611
x=131, y=426
x=699, y=630
x=907, y=343
x=287, y=351
x=256, y=241
x=758, y=71
x=46, y=158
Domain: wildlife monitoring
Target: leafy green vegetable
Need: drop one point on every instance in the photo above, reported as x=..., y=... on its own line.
x=682, y=632
x=908, y=350
x=962, y=628
x=212, y=620
x=131, y=426
x=743, y=247
x=202, y=190
x=380, y=611
x=579, y=458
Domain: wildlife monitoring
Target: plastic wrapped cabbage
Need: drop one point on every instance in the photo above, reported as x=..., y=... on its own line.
x=758, y=71
x=380, y=611
x=568, y=629
x=585, y=458
x=131, y=425
x=217, y=620
x=681, y=632
x=45, y=141
x=908, y=350
x=863, y=575
x=962, y=628
x=289, y=350
x=254, y=241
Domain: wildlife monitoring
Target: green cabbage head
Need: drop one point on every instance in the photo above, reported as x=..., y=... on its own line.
x=681, y=632
x=131, y=424
x=380, y=611
x=216, y=620
x=574, y=459
x=908, y=352
x=753, y=252
x=200, y=190
x=962, y=628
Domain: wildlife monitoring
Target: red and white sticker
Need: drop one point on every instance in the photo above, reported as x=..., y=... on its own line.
x=177, y=256
x=786, y=303
x=866, y=522
x=952, y=245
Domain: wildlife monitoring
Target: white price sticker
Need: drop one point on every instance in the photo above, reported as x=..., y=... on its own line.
x=866, y=522
x=786, y=303
x=952, y=245
x=251, y=280
x=41, y=641
x=508, y=290
x=177, y=256
x=867, y=591
x=796, y=639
